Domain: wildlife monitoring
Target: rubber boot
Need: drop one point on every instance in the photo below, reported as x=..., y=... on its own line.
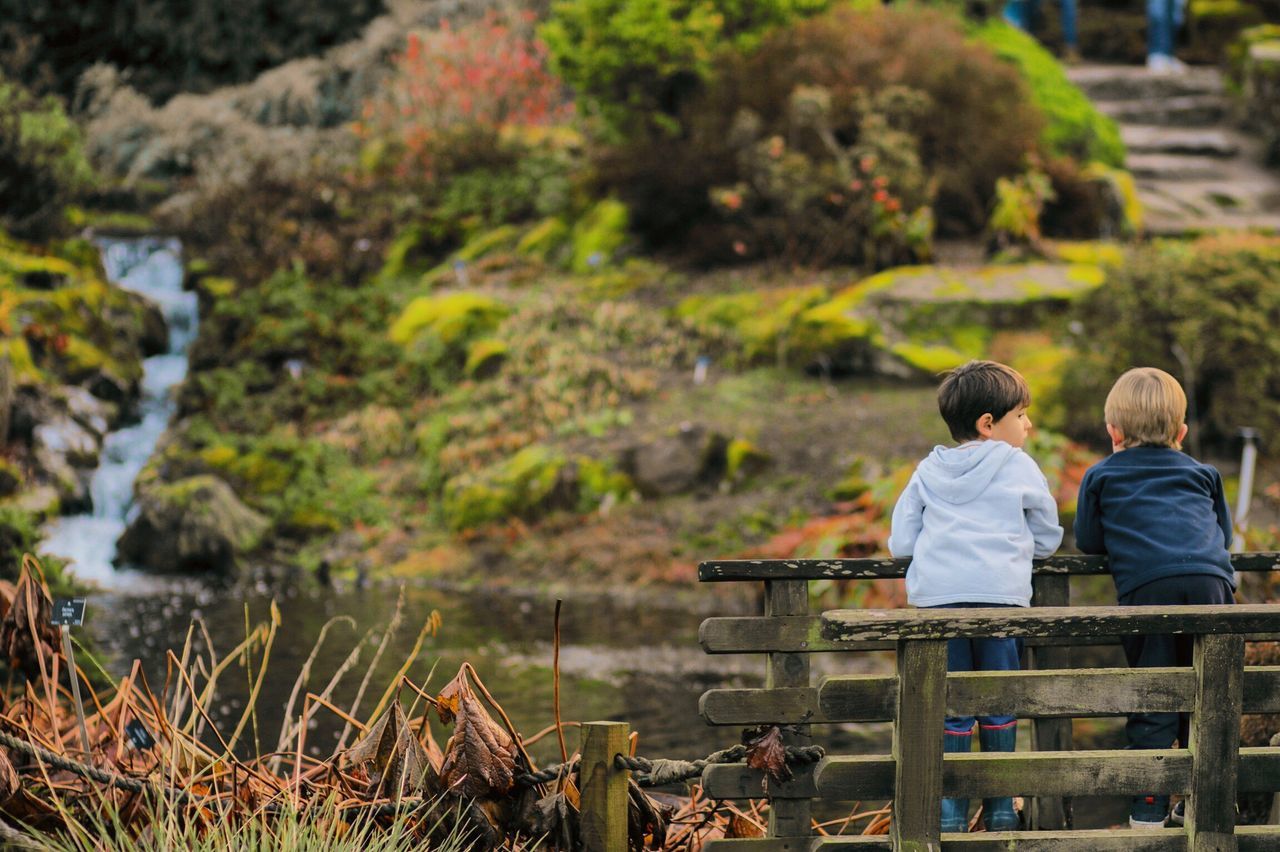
x=955, y=812
x=998, y=814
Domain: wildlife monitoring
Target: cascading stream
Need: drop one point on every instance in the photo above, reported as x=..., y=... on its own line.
x=151, y=268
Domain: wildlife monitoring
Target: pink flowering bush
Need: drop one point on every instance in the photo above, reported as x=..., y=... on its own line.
x=460, y=88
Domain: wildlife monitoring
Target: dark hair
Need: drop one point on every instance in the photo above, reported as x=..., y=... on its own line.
x=977, y=388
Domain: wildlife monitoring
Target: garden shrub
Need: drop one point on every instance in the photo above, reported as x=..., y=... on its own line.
x=939, y=117
x=1074, y=126
x=42, y=164
x=1213, y=303
x=475, y=79
x=637, y=63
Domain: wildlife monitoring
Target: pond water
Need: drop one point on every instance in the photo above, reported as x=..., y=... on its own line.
x=622, y=657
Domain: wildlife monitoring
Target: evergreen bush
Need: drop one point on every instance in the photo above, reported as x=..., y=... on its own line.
x=1207, y=312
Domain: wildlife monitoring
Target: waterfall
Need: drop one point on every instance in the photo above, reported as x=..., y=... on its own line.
x=152, y=268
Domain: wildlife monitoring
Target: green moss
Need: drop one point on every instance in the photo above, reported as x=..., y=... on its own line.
x=743, y=459
x=794, y=324
x=1123, y=184
x=928, y=359
x=19, y=354
x=482, y=245
x=11, y=477
x=485, y=357
x=599, y=235
x=397, y=264
x=514, y=487
x=219, y=288
x=1099, y=254
x=1074, y=125
x=451, y=318
x=544, y=239
x=598, y=480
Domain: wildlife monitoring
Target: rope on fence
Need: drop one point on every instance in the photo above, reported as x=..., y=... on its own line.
x=57, y=761
x=659, y=772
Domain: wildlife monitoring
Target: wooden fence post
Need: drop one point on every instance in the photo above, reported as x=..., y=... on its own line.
x=1215, y=743
x=917, y=746
x=1045, y=813
x=788, y=817
x=604, y=795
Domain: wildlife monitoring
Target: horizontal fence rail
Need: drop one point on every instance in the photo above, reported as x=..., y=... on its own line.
x=1215, y=690
x=1040, y=694
x=726, y=570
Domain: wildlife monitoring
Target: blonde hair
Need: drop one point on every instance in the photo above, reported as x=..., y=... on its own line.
x=1148, y=406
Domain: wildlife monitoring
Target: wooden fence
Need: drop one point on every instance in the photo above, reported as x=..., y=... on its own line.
x=1216, y=690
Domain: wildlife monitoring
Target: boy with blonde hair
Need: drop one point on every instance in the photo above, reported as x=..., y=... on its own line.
x=972, y=518
x=1161, y=518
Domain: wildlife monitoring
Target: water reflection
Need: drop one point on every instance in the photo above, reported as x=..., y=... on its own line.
x=631, y=661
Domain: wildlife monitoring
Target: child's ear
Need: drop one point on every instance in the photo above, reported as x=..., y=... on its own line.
x=1182, y=433
x=1117, y=437
x=985, y=424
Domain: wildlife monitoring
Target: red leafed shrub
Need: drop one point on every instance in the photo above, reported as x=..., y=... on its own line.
x=460, y=83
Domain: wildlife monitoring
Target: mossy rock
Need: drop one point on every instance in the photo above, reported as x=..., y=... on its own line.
x=928, y=359
x=485, y=358
x=1103, y=255
x=599, y=234
x=743, y=460
x=789, y=325
x=451, y=318
x=195, y=524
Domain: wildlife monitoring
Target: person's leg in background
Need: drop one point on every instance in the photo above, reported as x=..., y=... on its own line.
x=957, y=738
x=1161, y=24
x=998, y=733
x=1070, y=35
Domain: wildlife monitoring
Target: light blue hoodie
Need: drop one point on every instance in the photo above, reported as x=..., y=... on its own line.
x=971, y=519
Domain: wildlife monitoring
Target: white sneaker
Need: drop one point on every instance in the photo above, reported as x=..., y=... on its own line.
x=1159, y=63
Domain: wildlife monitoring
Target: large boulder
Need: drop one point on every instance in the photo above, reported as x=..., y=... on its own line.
x=676, y=463
x=196, y=524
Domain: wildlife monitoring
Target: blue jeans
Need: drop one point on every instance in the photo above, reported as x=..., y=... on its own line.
x=1164, y=17
x=1022, y=14
x=980, y=655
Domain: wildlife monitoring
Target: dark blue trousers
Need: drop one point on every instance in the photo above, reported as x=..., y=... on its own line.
x=981, y=655
x=1159, y=730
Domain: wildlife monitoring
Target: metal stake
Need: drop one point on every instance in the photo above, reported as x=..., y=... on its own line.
x=75, y=686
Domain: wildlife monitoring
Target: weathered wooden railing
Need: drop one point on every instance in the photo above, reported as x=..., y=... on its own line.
x=1216, y=690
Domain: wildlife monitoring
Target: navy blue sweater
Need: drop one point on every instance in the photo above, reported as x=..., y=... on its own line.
x=1155, y=512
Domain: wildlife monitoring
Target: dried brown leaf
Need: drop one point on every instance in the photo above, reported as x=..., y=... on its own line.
x=8, y=778
x=393, y=758
x=768, y=753
x=480, y=757
x=741, y=826
x=448, y=699
x=556, y=820
x=30, y=610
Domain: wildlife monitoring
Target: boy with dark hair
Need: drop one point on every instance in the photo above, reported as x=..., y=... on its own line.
x=972, y=518
x=1162, y=520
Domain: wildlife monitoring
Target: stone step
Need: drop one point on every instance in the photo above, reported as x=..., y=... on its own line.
x=1152, y=139
x=1162, y=225
x=1176, y=111
x=1132, y=82
x=1174, y=166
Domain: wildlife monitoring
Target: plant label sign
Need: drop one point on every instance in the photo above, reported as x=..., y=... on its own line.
x=68, y=611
